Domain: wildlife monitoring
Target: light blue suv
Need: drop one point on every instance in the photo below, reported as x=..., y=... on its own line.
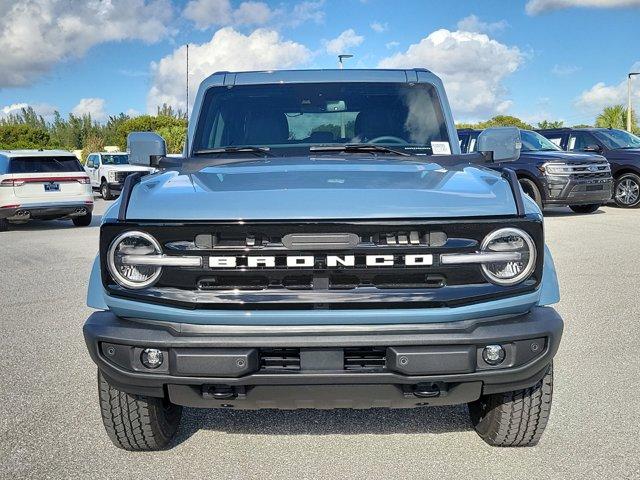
x=323, y=244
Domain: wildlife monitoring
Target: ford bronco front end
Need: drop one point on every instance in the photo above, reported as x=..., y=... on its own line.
x=323, y=244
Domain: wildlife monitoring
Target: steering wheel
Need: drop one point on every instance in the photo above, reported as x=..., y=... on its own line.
x=388, y=139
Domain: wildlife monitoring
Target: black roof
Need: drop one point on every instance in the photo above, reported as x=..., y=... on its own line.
x=571, y=129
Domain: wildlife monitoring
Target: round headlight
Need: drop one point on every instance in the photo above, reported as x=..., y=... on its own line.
x=133, y=244
x=509, y=241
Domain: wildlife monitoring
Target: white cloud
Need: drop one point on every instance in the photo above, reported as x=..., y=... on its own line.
x=218, y=13
x=471, y=65
x=565, y=70
x=343, y=42
x=535, y=7
x=207, y=13
x=379, y=27
x=43, y=109
x=601, y=95
x=91, y=106
x=37, y=34
x=228, y=50
x=392, y=45
x=473, y=24
x=308, y=11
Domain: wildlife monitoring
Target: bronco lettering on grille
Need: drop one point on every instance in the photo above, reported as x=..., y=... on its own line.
x=309, y=261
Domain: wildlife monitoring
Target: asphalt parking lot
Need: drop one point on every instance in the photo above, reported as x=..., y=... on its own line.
x=50, y=424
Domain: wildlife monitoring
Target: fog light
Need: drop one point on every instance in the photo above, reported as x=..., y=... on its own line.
x=493, y=354
x=151, y=357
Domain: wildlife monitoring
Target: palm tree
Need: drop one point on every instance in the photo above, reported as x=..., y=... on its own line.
x=615, y=117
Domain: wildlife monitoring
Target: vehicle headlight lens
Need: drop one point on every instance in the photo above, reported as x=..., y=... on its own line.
x=509, y=240
x=112, y=176
x=133, y=243
x=557, y=168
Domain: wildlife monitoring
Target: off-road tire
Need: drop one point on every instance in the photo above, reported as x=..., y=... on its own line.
x=83, y=221
x=4, y=224
x=585, y=208
x=105, y=191
x=135, y=422
x=630, y=179
x=531, y=189
x=514, y=419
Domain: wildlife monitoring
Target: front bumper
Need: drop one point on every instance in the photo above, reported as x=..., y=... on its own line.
x=47, y=210
x=564, y=190
x=115, y=186
x=402, y=365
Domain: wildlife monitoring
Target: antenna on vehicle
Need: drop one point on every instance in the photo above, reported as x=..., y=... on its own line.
x=186, y=140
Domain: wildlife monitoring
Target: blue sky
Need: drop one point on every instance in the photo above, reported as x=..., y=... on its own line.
x=537, y=59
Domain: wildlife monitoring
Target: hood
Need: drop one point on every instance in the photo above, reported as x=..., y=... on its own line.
x=561, y=156
x=324, y=188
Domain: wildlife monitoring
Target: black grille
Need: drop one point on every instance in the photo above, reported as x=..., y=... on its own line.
x=122, y=175
x=365, y=359
x=280, y=359
x=320, y=285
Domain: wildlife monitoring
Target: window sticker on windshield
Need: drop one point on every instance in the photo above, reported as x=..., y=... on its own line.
x=440, y=148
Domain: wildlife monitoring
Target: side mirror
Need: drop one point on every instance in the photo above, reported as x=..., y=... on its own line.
x=145, y=148
x=89, y=163
x=501, y=144
x=593, y=148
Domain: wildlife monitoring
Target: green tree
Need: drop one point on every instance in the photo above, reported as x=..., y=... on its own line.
x=22, y=135
x=506, y=121
x=615, y=116
x=550, y=124
x=93, y=143
x=174, y=136
x=146, y=123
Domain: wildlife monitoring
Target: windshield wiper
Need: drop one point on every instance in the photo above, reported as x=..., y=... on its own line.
x=356, y=148
x=260, y=151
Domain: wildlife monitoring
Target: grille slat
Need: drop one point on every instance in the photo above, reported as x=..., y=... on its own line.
x=365, y=359
x=280, y=359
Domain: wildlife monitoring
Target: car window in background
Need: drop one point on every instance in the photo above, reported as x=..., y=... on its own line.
x=618, y=139
x=534, y=142
x=557, y=141
x=581, y=141
x=44, y=165
x=108, y=159
x=290, y=117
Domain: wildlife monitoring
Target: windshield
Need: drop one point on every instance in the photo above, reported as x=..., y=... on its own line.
x=614, y=139
x=290, y=118
x=534, y=142
x=44, y=165
x=119, y=159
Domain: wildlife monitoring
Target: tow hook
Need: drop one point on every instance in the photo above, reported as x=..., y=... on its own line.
x=221, y=392
x=426, y=390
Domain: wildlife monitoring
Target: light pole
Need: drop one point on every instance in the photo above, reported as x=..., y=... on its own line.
x=342, y=57
x=629, y=99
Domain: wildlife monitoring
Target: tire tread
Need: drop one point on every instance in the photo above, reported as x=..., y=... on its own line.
x=514, y=419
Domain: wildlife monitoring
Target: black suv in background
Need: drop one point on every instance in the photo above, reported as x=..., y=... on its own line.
x=553, y=177
x=621, y=148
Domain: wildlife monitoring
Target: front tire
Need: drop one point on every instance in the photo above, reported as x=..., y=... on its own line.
x=585, y=208
x=83, y=221
x=514, y=419
x=135, y=422
x=105, y=191
x=530, y=188
x=626, y=192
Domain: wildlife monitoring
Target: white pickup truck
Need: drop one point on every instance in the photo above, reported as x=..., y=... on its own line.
x=108, y=172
